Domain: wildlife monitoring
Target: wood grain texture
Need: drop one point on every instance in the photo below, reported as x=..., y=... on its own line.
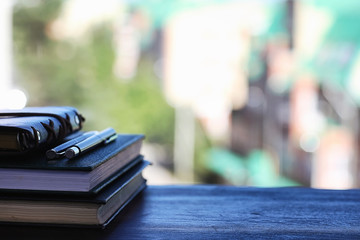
x=222, y=212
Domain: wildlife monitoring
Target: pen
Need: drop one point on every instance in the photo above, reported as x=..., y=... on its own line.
x=104, y=137
x=59, y=150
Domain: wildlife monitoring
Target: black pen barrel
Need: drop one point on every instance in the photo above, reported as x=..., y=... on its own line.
x=58, y=150
x=90, y=143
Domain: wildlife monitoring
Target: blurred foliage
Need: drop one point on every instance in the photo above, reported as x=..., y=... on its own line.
x=80, y=74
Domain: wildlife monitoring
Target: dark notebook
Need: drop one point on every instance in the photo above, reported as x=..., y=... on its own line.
x=36, y=128
x=99, y=210
x=81, y=174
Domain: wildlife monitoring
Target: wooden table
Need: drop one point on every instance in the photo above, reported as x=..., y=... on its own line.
x=222, y=212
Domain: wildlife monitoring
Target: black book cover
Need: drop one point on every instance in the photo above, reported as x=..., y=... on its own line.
x=84, y=173
x=86, y=162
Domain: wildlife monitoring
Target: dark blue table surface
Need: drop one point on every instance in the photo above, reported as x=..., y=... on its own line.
x=222, y=212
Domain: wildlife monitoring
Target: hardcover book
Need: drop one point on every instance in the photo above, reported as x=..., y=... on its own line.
x=82, y=174
x=98, y=210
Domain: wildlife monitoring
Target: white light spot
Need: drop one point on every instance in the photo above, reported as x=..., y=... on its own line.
x=13, y=99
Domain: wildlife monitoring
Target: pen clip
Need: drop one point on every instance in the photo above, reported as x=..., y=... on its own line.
x=110, y=139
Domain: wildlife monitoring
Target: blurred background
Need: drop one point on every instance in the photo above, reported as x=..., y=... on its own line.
x=258, y=93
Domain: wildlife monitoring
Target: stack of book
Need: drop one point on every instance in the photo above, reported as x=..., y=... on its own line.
x=87, y=190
